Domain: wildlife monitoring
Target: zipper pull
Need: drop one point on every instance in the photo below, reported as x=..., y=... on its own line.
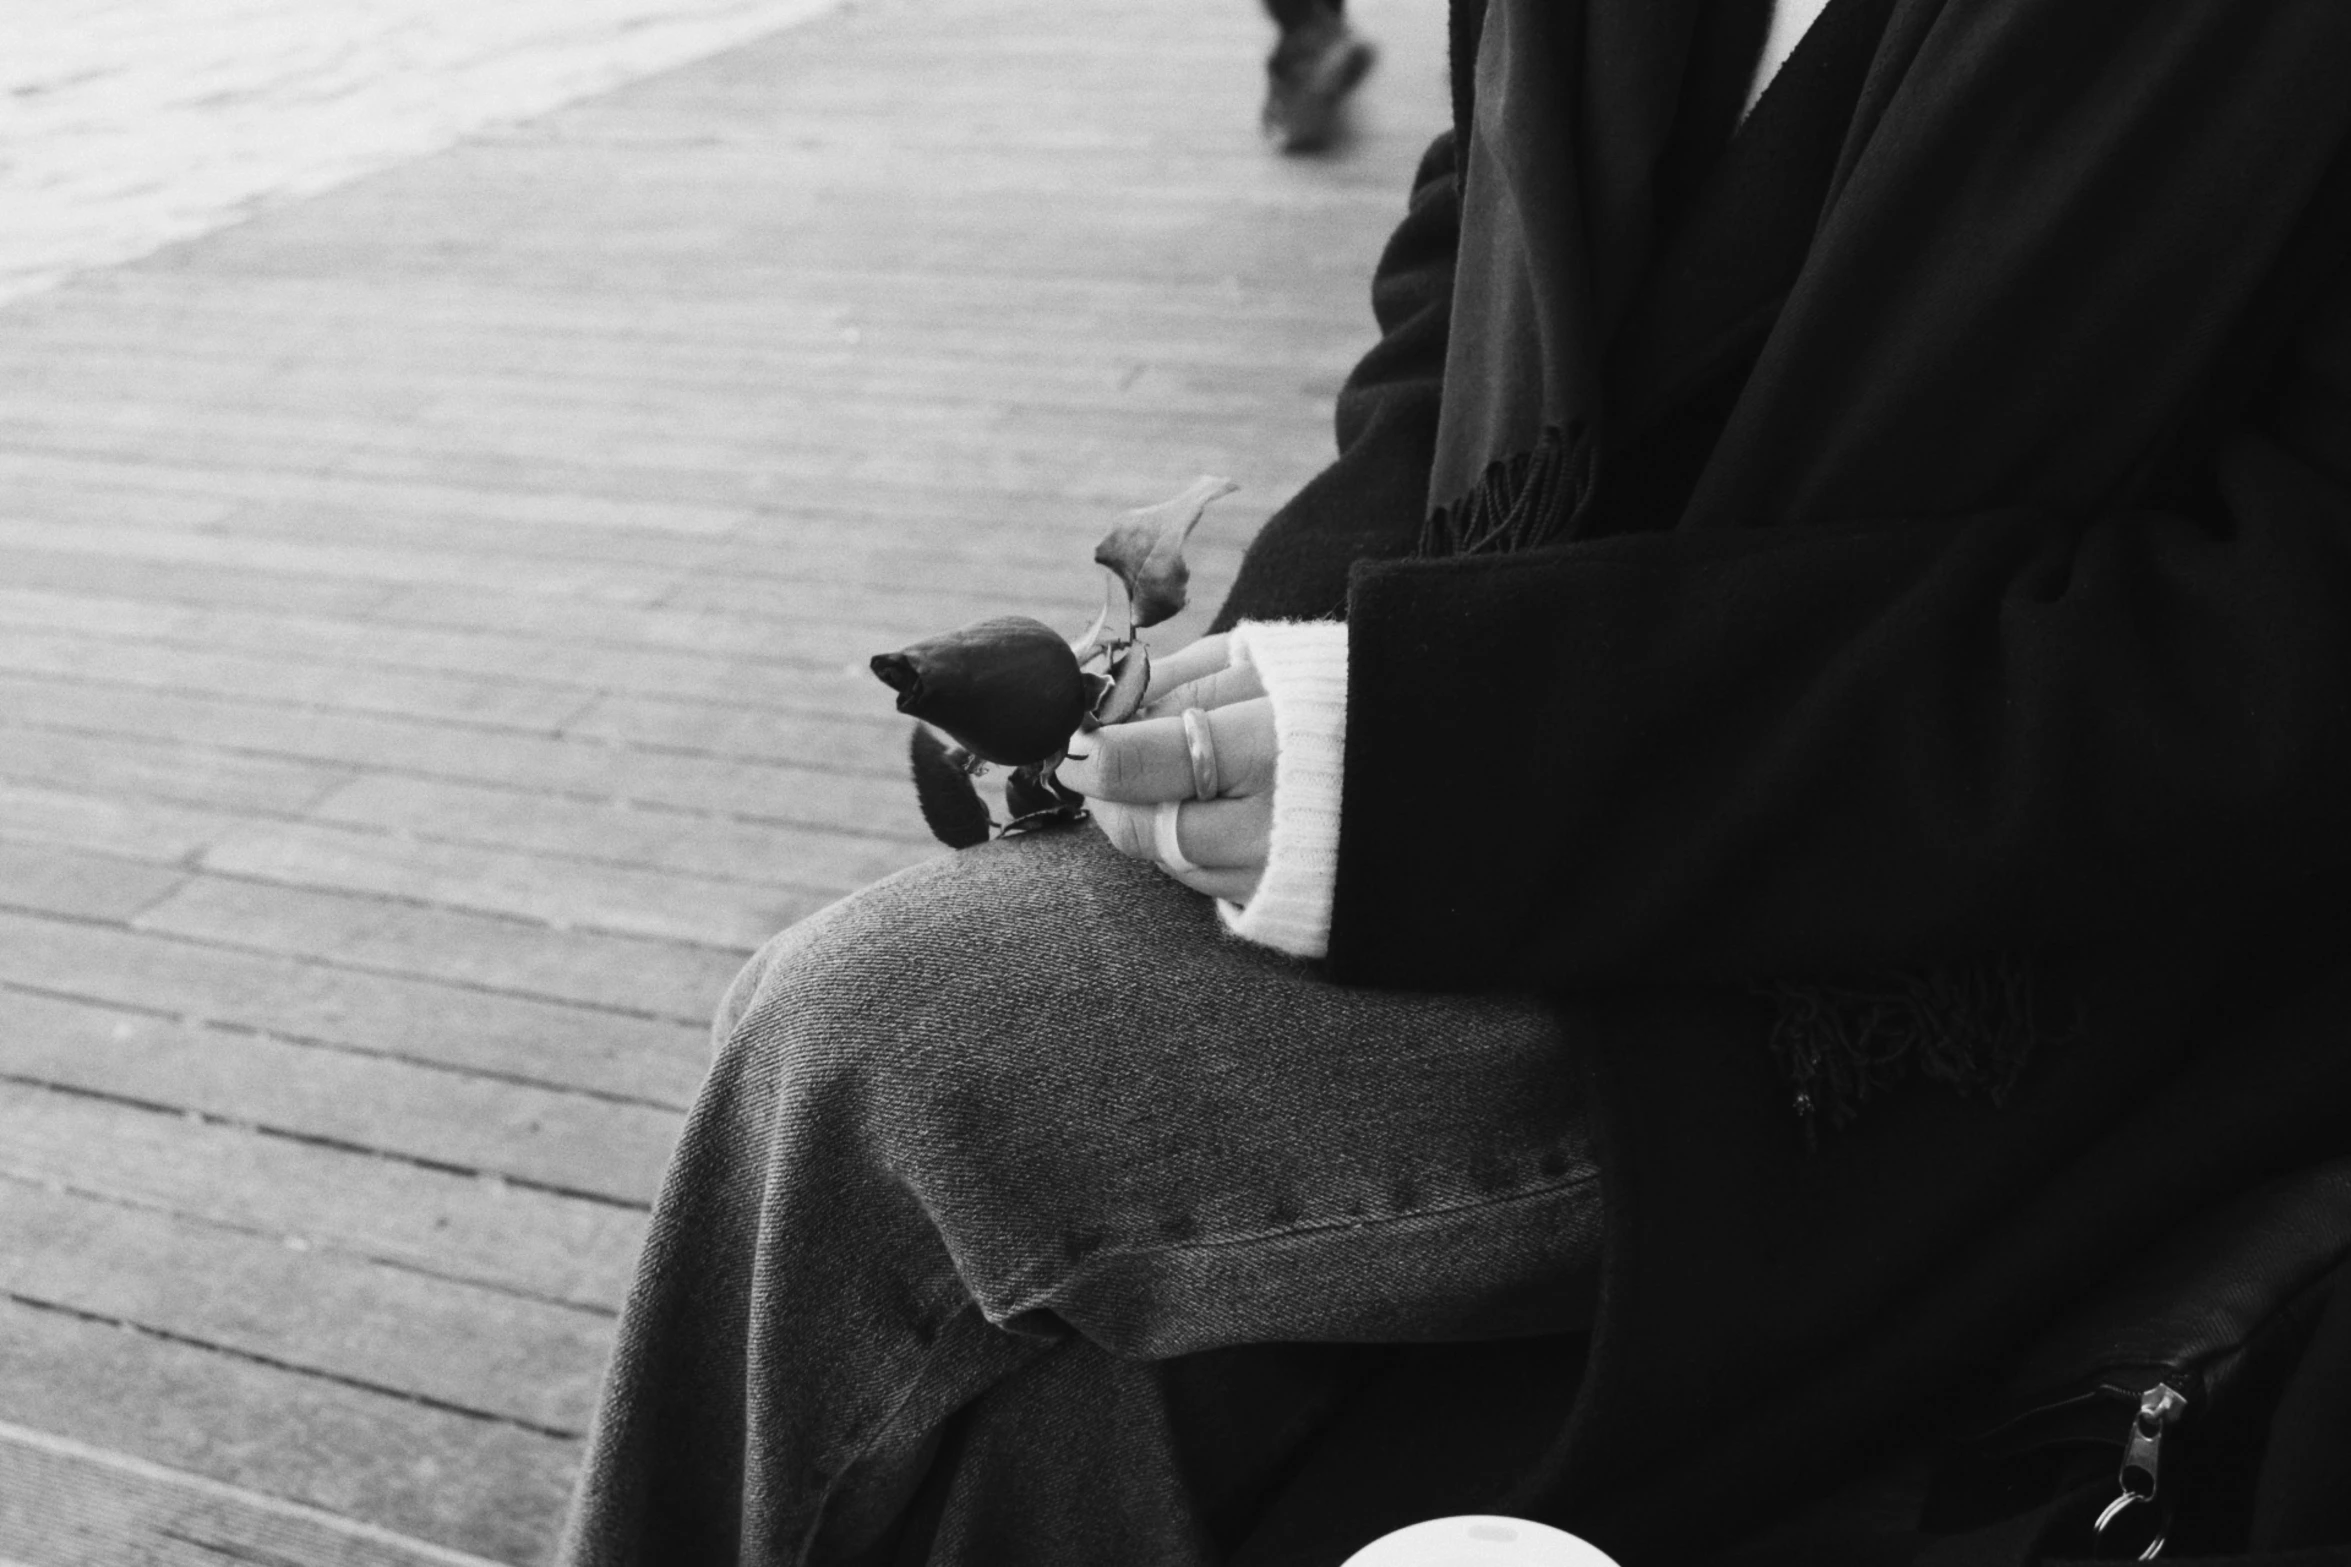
x=2160, y=1408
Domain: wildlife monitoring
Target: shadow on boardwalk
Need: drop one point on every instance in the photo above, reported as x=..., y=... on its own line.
x=431, y=635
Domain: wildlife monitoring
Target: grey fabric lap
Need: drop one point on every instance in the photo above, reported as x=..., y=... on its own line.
x=1030, y=1099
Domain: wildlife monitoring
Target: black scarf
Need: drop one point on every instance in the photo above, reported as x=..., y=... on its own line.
x=1609, y=240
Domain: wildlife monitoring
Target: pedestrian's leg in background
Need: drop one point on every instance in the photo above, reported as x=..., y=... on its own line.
x=1316, y=63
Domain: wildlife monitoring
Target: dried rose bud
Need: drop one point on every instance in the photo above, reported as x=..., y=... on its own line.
x=1007, y=689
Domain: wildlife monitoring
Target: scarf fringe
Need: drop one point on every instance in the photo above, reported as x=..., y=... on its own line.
x=1520, y=502
x=1969, y=1027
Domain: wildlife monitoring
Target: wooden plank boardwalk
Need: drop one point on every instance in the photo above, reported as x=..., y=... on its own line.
x=432, y=626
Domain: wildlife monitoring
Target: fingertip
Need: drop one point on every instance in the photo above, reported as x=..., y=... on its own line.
x=1123, y=826
x=1185, y=665
x=1075, y=759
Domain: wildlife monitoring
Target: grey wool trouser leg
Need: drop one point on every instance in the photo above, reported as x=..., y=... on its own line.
x=985, y=1142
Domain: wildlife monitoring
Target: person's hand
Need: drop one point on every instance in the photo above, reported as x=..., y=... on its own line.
x=1139, y=783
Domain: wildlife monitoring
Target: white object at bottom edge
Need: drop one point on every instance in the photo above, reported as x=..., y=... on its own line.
x=1479, y=1542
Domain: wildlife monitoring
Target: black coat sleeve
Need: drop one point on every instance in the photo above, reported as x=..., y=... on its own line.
x=1369, y=503
x=1804, y=751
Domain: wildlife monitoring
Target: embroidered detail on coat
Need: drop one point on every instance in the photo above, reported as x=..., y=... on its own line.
x=1519, y=503
x=1967, y=1026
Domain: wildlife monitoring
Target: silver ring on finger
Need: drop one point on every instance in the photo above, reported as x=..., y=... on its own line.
x=1165, y=846
x=1200, y=746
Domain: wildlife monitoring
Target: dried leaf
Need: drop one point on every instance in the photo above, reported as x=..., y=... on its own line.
x=1147, y=550
x=951, y=805
x=1130, y=678
x=1036, y=799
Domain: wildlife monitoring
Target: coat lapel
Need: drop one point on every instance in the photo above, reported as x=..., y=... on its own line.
x=1906, y=29
x=1730, y=257
x=2049, y=220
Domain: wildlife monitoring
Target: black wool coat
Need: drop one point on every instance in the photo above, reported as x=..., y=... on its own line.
x=2010, y=613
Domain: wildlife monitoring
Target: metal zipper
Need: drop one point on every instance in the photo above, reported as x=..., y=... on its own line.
x=2160, y=1408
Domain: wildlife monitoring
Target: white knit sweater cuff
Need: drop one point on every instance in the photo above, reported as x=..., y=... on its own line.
x=1303, y=665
